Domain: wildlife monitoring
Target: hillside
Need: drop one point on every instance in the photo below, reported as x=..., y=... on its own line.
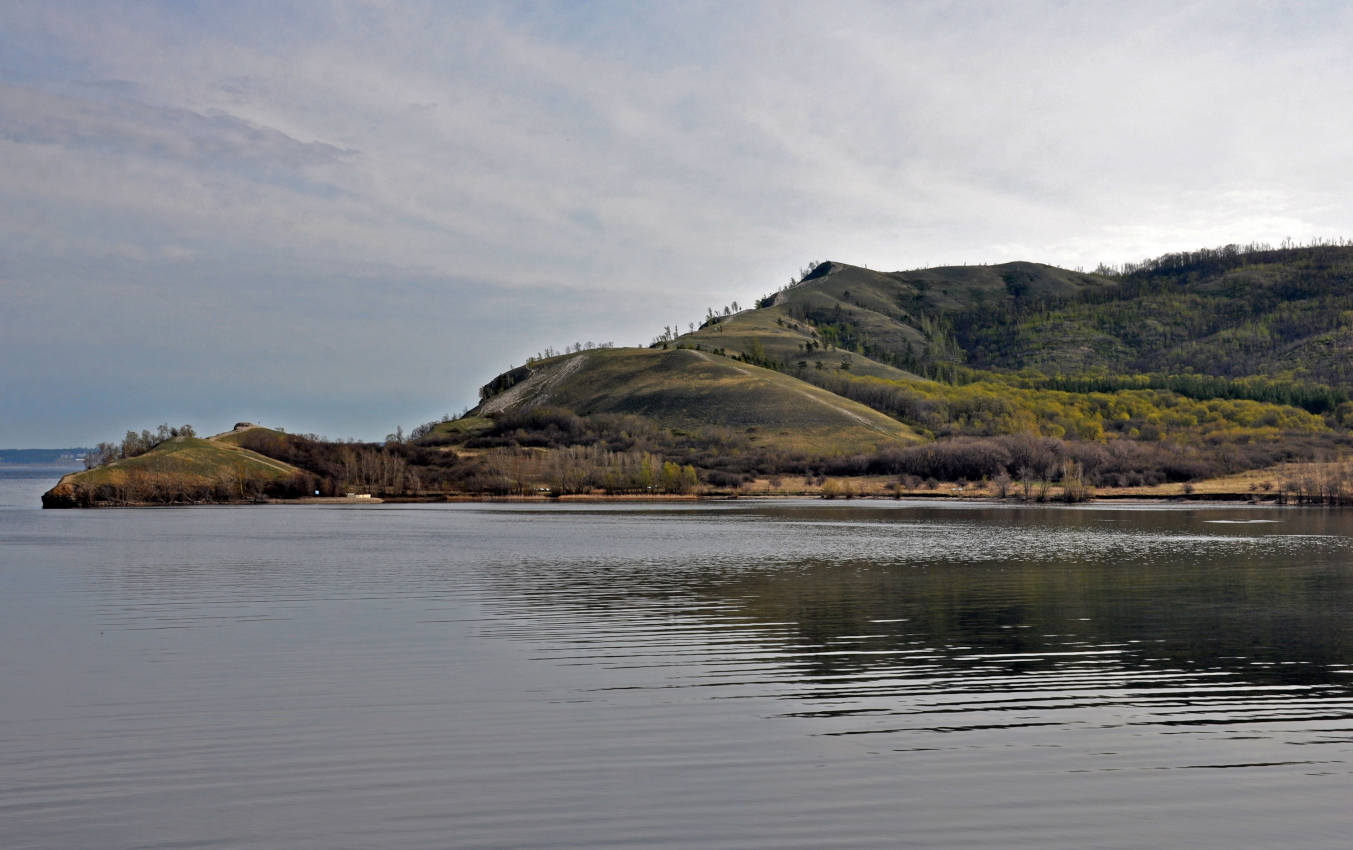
x=686, y=389
x=889, y=325
x=177, y=471
x=1284, y=315
x=1015, y=370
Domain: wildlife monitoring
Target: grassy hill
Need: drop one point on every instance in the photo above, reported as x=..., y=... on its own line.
x=688, y=390
x=179, y=470
x=1166, y=371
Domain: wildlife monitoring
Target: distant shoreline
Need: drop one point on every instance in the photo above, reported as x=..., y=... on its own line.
x=74, y=466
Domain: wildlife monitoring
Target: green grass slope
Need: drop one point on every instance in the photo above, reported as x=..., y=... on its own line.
x=179, y=470
x=686, y=389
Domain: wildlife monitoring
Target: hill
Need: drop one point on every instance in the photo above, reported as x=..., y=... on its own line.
x=180, y=470
x=1276, y=324
x=945, y=354
x=689, y=389
x=890, y=325
x=1284, y=315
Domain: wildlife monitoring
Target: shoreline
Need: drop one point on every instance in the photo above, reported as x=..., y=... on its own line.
x=1125, y=499
x=1243, y=489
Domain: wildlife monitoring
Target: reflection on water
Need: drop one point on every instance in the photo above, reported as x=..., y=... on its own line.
x=737, y=674
x=938, y=621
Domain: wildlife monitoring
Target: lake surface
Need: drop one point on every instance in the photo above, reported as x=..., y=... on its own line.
x=741, y=674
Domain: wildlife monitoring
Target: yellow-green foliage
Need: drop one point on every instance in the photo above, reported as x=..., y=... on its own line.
x=834, y=488
x=995, y=407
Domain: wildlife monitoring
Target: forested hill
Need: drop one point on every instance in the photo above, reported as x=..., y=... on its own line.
x=1269, y=324
x=1282, y=314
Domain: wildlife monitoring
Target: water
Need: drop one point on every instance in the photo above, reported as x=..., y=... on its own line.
x=744, y=674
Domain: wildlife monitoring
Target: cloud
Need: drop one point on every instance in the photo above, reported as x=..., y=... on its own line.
x=216, y=141
x=471, y=183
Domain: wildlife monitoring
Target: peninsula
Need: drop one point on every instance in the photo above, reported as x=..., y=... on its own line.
x=1220, y=372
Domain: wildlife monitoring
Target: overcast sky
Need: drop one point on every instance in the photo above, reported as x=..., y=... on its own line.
x=341, y=217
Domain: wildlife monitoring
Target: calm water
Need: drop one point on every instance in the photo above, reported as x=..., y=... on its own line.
x=729, y=675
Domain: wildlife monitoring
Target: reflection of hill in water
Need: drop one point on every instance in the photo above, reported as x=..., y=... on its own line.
x=852, y=602
x=1241, y=613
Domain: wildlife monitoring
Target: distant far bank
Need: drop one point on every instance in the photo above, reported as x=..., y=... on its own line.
x=43, y=457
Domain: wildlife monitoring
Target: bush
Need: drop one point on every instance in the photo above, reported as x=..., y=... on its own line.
x=724, y=480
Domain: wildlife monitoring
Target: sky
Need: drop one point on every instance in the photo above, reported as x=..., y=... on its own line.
x=343, y=217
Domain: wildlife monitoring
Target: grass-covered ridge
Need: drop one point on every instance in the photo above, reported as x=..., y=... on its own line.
x=688, y=389
x=180, y=470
